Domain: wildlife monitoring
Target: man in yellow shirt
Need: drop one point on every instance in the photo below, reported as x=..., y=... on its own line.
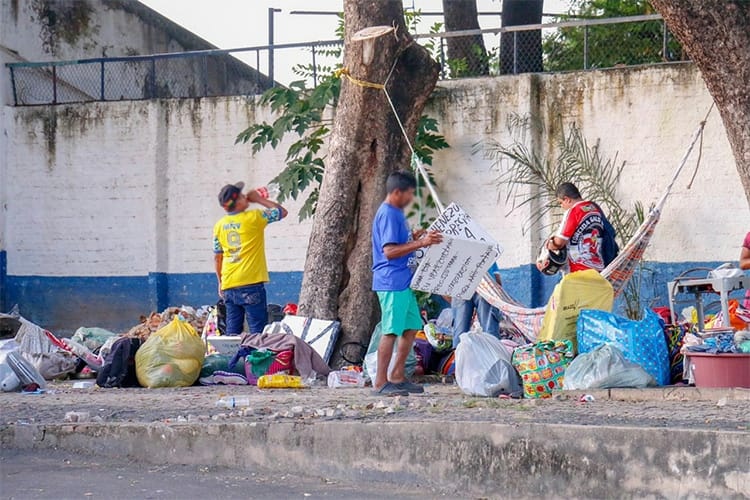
x=240, y=256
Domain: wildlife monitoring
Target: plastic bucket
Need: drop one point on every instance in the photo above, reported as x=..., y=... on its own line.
x=720, y=370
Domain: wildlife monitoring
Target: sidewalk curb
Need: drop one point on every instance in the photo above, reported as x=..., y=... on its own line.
x=670, y=393
x=482, y=458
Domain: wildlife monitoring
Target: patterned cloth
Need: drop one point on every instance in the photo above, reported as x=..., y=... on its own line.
x=675, y=336
x=542, y=367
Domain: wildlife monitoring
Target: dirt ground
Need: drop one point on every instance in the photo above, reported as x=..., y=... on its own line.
x=440, y=402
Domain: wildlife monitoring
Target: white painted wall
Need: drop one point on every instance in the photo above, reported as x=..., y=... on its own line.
x=130, y=187
x=645, y=115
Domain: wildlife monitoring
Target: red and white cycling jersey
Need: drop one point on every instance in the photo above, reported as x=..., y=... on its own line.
x=583, y=228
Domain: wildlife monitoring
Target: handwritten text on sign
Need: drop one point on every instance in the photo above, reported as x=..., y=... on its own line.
x=454, y=221
x=455, y=267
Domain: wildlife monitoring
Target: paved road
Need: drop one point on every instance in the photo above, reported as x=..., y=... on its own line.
x=62, y=475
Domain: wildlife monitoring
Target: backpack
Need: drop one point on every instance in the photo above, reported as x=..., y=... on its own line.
x=610, y=248
x=119, y=365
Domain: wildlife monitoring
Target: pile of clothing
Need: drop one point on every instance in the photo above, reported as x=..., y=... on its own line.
x=264, y=354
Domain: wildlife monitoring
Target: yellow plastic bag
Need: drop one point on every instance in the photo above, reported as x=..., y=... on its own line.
x=579, y=290
x=280, y=381
x=171, y=357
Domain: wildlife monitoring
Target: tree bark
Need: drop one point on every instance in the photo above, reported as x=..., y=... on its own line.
x=716, y=36
x=521, y=52
x=462, y=15
x=366, y=145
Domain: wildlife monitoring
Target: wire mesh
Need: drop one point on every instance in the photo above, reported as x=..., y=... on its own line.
x=252, y=71
x=32, y=85
x=127, y=79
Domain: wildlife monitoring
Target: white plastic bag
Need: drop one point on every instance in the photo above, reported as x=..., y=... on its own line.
x=48, y=359
x=371, y=359
x=483, y=366
x=604, y=368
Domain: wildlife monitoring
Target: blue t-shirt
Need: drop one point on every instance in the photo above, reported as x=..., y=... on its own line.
x=390, y=228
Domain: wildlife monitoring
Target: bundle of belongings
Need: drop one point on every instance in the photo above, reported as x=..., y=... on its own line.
x=582, y=345
x=483, y=355
x=27, y=357
x=264, y=354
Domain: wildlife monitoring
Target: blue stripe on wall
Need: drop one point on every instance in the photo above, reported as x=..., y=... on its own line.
x=3, y=281
x=62, y=304
x=530, y=287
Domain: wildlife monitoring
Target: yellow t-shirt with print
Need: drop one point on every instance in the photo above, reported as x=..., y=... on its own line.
x=240, y=239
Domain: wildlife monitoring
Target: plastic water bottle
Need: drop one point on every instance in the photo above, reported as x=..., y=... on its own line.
x=233, y=402
x=269, y=192
x=345, y=378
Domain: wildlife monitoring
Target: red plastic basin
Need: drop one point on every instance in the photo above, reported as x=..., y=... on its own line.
x=720, y=370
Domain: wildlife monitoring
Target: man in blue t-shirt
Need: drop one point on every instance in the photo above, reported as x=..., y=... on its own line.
x=393, y=263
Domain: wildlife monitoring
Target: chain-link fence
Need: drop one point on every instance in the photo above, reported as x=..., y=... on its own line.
x=572, y=45
x=187, y=74
x=563, y=46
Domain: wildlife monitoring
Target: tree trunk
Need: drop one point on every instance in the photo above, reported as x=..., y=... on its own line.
x=716, y=36
x=466, y=54
x=521, y=51
x=366, y=145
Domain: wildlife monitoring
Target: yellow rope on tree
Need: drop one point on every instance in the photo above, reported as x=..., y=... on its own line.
x=345, y=72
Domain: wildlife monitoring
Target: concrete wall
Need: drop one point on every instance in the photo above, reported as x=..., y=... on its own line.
x=109, y=206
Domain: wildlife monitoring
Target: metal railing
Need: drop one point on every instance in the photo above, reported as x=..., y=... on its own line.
x=559, y=46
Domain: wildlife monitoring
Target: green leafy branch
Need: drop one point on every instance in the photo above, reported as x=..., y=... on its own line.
x=307, y=113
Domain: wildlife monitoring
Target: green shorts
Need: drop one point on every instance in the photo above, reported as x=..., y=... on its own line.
x=400, y=312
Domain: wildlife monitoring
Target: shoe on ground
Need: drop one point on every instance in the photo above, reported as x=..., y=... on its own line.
x=228, y=378
x=410, y=387
x=390, y=389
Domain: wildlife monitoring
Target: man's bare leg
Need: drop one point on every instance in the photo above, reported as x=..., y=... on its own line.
x=385, y=352
x=405, y=345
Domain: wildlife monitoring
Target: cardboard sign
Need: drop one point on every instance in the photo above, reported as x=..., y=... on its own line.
x=455, y=267
x=454, y=221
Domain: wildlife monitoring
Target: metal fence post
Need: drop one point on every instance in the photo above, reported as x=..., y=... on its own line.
x=664, y=40
x=13, y=84
x=101, y=80
x=54, y=84
x=515, y=52
x=314, y=68
x=586, y=47
x=257, y=71
x=442, y=58
x=153, y=78
x=204, y=75
x=271, y=12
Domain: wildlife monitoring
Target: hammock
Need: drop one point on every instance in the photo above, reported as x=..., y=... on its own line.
x=618, y=272
x=529, y=320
